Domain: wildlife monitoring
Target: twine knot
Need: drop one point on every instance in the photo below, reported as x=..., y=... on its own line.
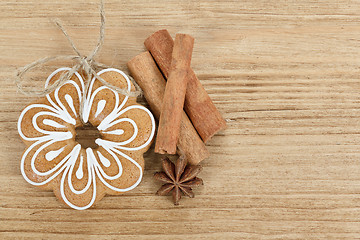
x=86, y=64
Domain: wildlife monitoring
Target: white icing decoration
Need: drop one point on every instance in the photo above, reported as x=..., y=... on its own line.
x=80, y=172
x=104, y=160
x=100, y=107
x=115, y=132
x=65, y=167
x=53, y=154
x=52, y=123
x=70, y=175
x=70, y=102
x=59, y=107
x=91, y=178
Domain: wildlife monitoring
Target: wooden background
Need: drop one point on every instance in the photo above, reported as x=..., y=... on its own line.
x=285, y=75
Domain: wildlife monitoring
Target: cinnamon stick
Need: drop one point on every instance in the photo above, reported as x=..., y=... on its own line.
x=174, y=96
x=205, y=117
x=145, y=72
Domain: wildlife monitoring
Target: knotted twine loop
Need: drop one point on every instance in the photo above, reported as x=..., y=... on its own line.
x=86, y=63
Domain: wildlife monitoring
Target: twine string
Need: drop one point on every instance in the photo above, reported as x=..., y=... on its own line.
x=86, y=63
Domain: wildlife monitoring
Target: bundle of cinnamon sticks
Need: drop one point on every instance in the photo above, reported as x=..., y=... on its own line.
x=187, y=116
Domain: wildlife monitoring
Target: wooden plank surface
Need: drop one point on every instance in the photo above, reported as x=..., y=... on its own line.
x=285, y=75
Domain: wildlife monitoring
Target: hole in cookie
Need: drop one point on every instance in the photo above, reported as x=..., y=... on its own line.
x=86, y=136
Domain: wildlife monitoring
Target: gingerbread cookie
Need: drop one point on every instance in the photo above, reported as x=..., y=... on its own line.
x=82, y=169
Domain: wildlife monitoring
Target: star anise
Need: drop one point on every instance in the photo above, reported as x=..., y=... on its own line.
x=179, y=177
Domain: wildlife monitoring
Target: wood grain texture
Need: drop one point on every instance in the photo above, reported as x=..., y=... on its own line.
x=285, y=75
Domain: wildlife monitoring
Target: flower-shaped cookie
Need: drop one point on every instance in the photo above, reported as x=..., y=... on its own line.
x=78, y=175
